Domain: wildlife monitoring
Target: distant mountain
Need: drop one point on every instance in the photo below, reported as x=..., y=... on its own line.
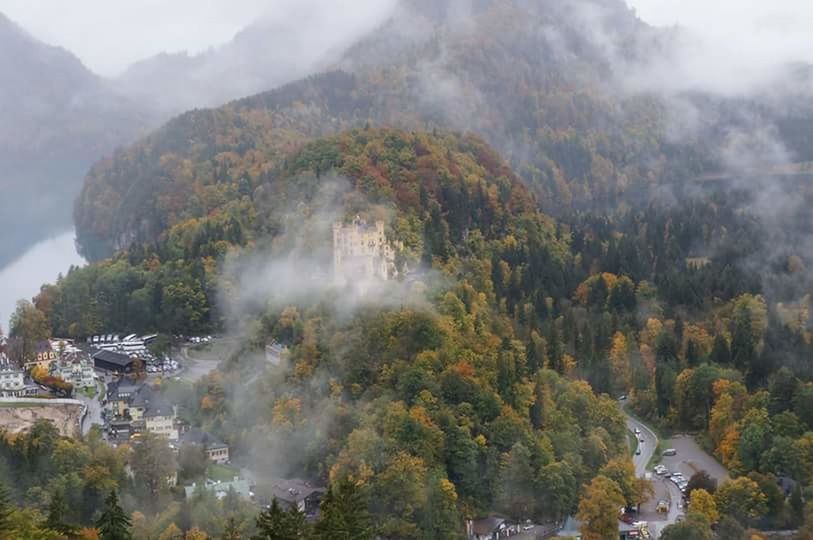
x=544, y=83
x=57, y=119
x=272, y=51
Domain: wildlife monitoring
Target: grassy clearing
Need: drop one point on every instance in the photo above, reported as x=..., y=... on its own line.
x=90, y=391
x=223, y=473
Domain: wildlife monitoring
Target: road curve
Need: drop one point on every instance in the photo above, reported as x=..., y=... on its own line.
x=648, y=448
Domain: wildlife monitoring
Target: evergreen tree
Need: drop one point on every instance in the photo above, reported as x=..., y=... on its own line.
x=344, y=514
x=797, y=506
x=720, y=353
x=57, y=510
x=232, y=531
x=113, y=524
x=743, y=349
x=274, y=523
x=537, y=412
x=6, y=509
x=692, y=353
x=555, y=352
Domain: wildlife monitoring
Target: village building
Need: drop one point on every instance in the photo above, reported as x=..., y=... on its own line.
x=44, y=355
x=216, y=450
x=142, y=410
x=275, y=352
x=295, y=493
x=12, y=380
x=113, y=362
x=490, y=528
x=362, y=251
x=159, y=418
x=119, y=395
x=220, y=489
x=76, y=369
x=572, y=529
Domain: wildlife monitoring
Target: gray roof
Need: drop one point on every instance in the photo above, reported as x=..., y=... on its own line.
x=292, y=491
x=486, y=526
x=114, y=358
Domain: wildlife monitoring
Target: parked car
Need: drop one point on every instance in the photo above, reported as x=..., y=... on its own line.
x=670, y=452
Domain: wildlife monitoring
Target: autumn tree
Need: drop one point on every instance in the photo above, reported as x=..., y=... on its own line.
x=702, y=502
x=622, y=472
x=29, y=326
x=701, y=480
x=695, y=527
x=153, y=464
x=741, y=499
x=620, y=364
x=598, y=509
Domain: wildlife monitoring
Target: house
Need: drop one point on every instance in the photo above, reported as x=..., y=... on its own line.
x=220, y=489
x=572, y=529
x=142, y=409
x=159, y=417
x=75, y=369
x=215, y=449
x=362, y=251
x=119, y=395
x=275, y=352
x=296, y=493
x=12, y=380
x=43, y=356
x=490, y=528
x=113, y=361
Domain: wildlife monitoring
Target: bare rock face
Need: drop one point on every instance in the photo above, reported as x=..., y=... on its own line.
x=19, y=415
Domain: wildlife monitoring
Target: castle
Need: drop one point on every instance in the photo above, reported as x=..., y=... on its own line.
x=362, y=251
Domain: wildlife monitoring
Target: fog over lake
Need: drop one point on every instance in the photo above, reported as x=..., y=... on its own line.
x=42, y=263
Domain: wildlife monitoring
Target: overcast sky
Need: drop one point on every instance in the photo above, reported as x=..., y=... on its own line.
x=110, y=34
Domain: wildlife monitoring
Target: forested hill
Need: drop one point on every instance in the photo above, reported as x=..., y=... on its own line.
x=441, y=195
x=543, y=84
x=544, y=107
x=57, y=119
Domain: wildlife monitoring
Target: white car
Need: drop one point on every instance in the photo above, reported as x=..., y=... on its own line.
x=636, y=431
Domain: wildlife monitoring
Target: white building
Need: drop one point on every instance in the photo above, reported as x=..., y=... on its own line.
x=75, y=369
x=12, y=380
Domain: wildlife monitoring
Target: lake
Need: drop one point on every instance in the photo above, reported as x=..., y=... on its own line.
x=42, y=263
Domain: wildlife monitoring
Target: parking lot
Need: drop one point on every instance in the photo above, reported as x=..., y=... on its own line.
x=690, y=459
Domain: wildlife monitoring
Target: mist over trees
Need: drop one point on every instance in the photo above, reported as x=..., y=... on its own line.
x=561, y=240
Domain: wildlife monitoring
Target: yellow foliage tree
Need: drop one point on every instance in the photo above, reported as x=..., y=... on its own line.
x=598, y=509
x=196, y=534
x=171, y=533
x=620, y=364
x=702, y=502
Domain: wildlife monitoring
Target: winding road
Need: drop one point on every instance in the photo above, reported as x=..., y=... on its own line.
x=648, y=448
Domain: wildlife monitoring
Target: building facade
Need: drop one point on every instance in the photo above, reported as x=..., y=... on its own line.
x=362, y=251
x=76, y=370
x=12, y=381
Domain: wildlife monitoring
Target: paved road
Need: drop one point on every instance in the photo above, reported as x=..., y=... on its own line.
x=648, y=448
x=94, y=407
